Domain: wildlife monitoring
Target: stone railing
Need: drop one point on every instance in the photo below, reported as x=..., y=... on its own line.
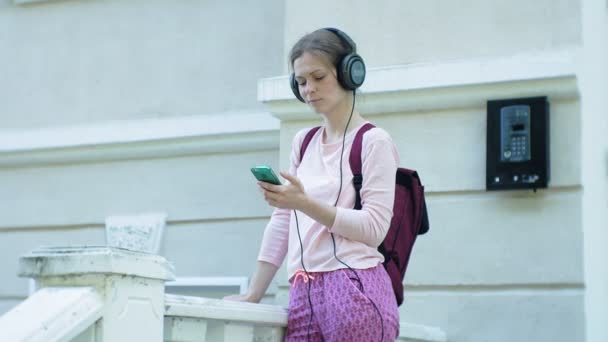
x=109, y=294
x=189, y=318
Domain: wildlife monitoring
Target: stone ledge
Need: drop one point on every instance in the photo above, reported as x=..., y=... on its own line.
x=436, y=86
x=25, y=2
x=83, y=260
x=269, y=315
x=208, y=308
x=145, y=138
x=417, y=332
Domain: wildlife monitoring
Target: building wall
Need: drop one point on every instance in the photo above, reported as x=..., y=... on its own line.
x=401, y=32
x=594, y=165
x=503, y=266
x=86, y=61
x=215, y=218
x=499, y=266
x=124, y=107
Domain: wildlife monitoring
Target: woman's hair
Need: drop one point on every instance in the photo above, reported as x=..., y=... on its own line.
x=321, y=43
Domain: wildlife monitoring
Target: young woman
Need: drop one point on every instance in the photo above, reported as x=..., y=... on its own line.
x=339, y=289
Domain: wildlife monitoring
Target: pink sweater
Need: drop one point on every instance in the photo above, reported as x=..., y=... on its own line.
x=358, y=233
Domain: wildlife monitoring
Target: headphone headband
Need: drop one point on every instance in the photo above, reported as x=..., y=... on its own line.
x=344, y=38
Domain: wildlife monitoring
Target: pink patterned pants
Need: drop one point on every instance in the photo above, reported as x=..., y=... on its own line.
x=342, y=310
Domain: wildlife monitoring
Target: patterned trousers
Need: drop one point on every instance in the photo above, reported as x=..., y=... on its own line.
x=343, y=309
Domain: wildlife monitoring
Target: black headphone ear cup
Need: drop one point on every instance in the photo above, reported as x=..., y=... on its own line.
x=351, y=73
x=295, y=88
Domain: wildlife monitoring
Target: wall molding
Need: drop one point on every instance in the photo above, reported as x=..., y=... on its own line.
x=26, y=2
x=436, y=86
x=137, y=139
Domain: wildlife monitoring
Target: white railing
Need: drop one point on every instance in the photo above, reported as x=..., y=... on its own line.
x=100, y=294
x=53, y=314
x=190, y=318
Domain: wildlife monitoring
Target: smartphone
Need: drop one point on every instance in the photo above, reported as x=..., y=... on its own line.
x=265, y=174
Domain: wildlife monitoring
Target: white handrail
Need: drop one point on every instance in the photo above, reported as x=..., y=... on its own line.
x=52, y=314
x=420, y=333
x=109, y=294
x=217, y=309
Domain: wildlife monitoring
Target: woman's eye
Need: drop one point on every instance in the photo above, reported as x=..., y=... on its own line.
x=318, y=78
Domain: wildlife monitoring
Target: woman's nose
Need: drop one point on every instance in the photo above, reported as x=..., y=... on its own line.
x=309, y=88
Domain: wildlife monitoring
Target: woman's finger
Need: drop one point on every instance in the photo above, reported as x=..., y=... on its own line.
x=269, y=187
x=270, y=197
x=292, y=179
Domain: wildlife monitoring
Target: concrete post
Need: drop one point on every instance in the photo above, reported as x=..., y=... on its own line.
x=132, y=285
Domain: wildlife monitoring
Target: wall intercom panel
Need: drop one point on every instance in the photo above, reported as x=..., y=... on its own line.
x=517, y=149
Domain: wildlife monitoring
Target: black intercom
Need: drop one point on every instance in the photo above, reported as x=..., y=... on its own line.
x=517, y=153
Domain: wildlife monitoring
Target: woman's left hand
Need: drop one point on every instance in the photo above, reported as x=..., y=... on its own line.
x=287, y=196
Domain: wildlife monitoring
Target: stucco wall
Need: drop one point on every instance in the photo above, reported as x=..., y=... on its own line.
x=594, y=157
x=496, y=266
x=401, y=32
x=122, y=107
x=499, y=266
x=504, y=266
x=68, y=62
x=208, y=198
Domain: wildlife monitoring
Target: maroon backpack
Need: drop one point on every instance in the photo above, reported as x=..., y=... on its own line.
x=410, y=217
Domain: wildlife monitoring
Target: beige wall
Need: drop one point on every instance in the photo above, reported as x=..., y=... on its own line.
x=402, y=32
x=68, y=62
x=496, y=266
x=215, y=218
x=501, y=266
x=594, y=160
x=123, y=107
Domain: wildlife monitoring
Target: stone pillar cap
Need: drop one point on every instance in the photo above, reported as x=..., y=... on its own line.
x=50, y=261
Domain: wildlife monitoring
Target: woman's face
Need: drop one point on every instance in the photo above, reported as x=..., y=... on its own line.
x=318, y=83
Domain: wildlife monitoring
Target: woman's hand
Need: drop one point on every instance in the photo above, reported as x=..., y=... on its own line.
x=287, y=196
x=264, y=272
x=246, y=297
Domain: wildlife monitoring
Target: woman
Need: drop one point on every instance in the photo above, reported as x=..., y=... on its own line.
x=339, y=289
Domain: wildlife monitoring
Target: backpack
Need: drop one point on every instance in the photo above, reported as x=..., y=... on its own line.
x=410, y=217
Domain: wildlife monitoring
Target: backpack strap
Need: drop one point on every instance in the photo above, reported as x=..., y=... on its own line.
x=356, y=164
x=307, y=139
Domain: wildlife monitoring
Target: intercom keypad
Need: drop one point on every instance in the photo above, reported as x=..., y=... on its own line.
x=515, y=129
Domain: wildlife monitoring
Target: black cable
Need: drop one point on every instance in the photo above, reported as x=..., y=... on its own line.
x=332, y=234
x=305, y=271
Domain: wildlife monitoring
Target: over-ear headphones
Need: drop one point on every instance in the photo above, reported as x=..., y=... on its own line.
x=350, y=68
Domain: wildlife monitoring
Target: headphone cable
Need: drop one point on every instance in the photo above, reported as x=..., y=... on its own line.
x=333, y=240
x=306, y=272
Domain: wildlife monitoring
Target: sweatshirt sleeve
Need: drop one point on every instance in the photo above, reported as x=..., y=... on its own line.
x=276, y=235
x=276, y=238
x=379, y=167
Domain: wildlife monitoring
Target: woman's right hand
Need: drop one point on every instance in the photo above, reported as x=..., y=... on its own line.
x=264, y=272
x=245, y=297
